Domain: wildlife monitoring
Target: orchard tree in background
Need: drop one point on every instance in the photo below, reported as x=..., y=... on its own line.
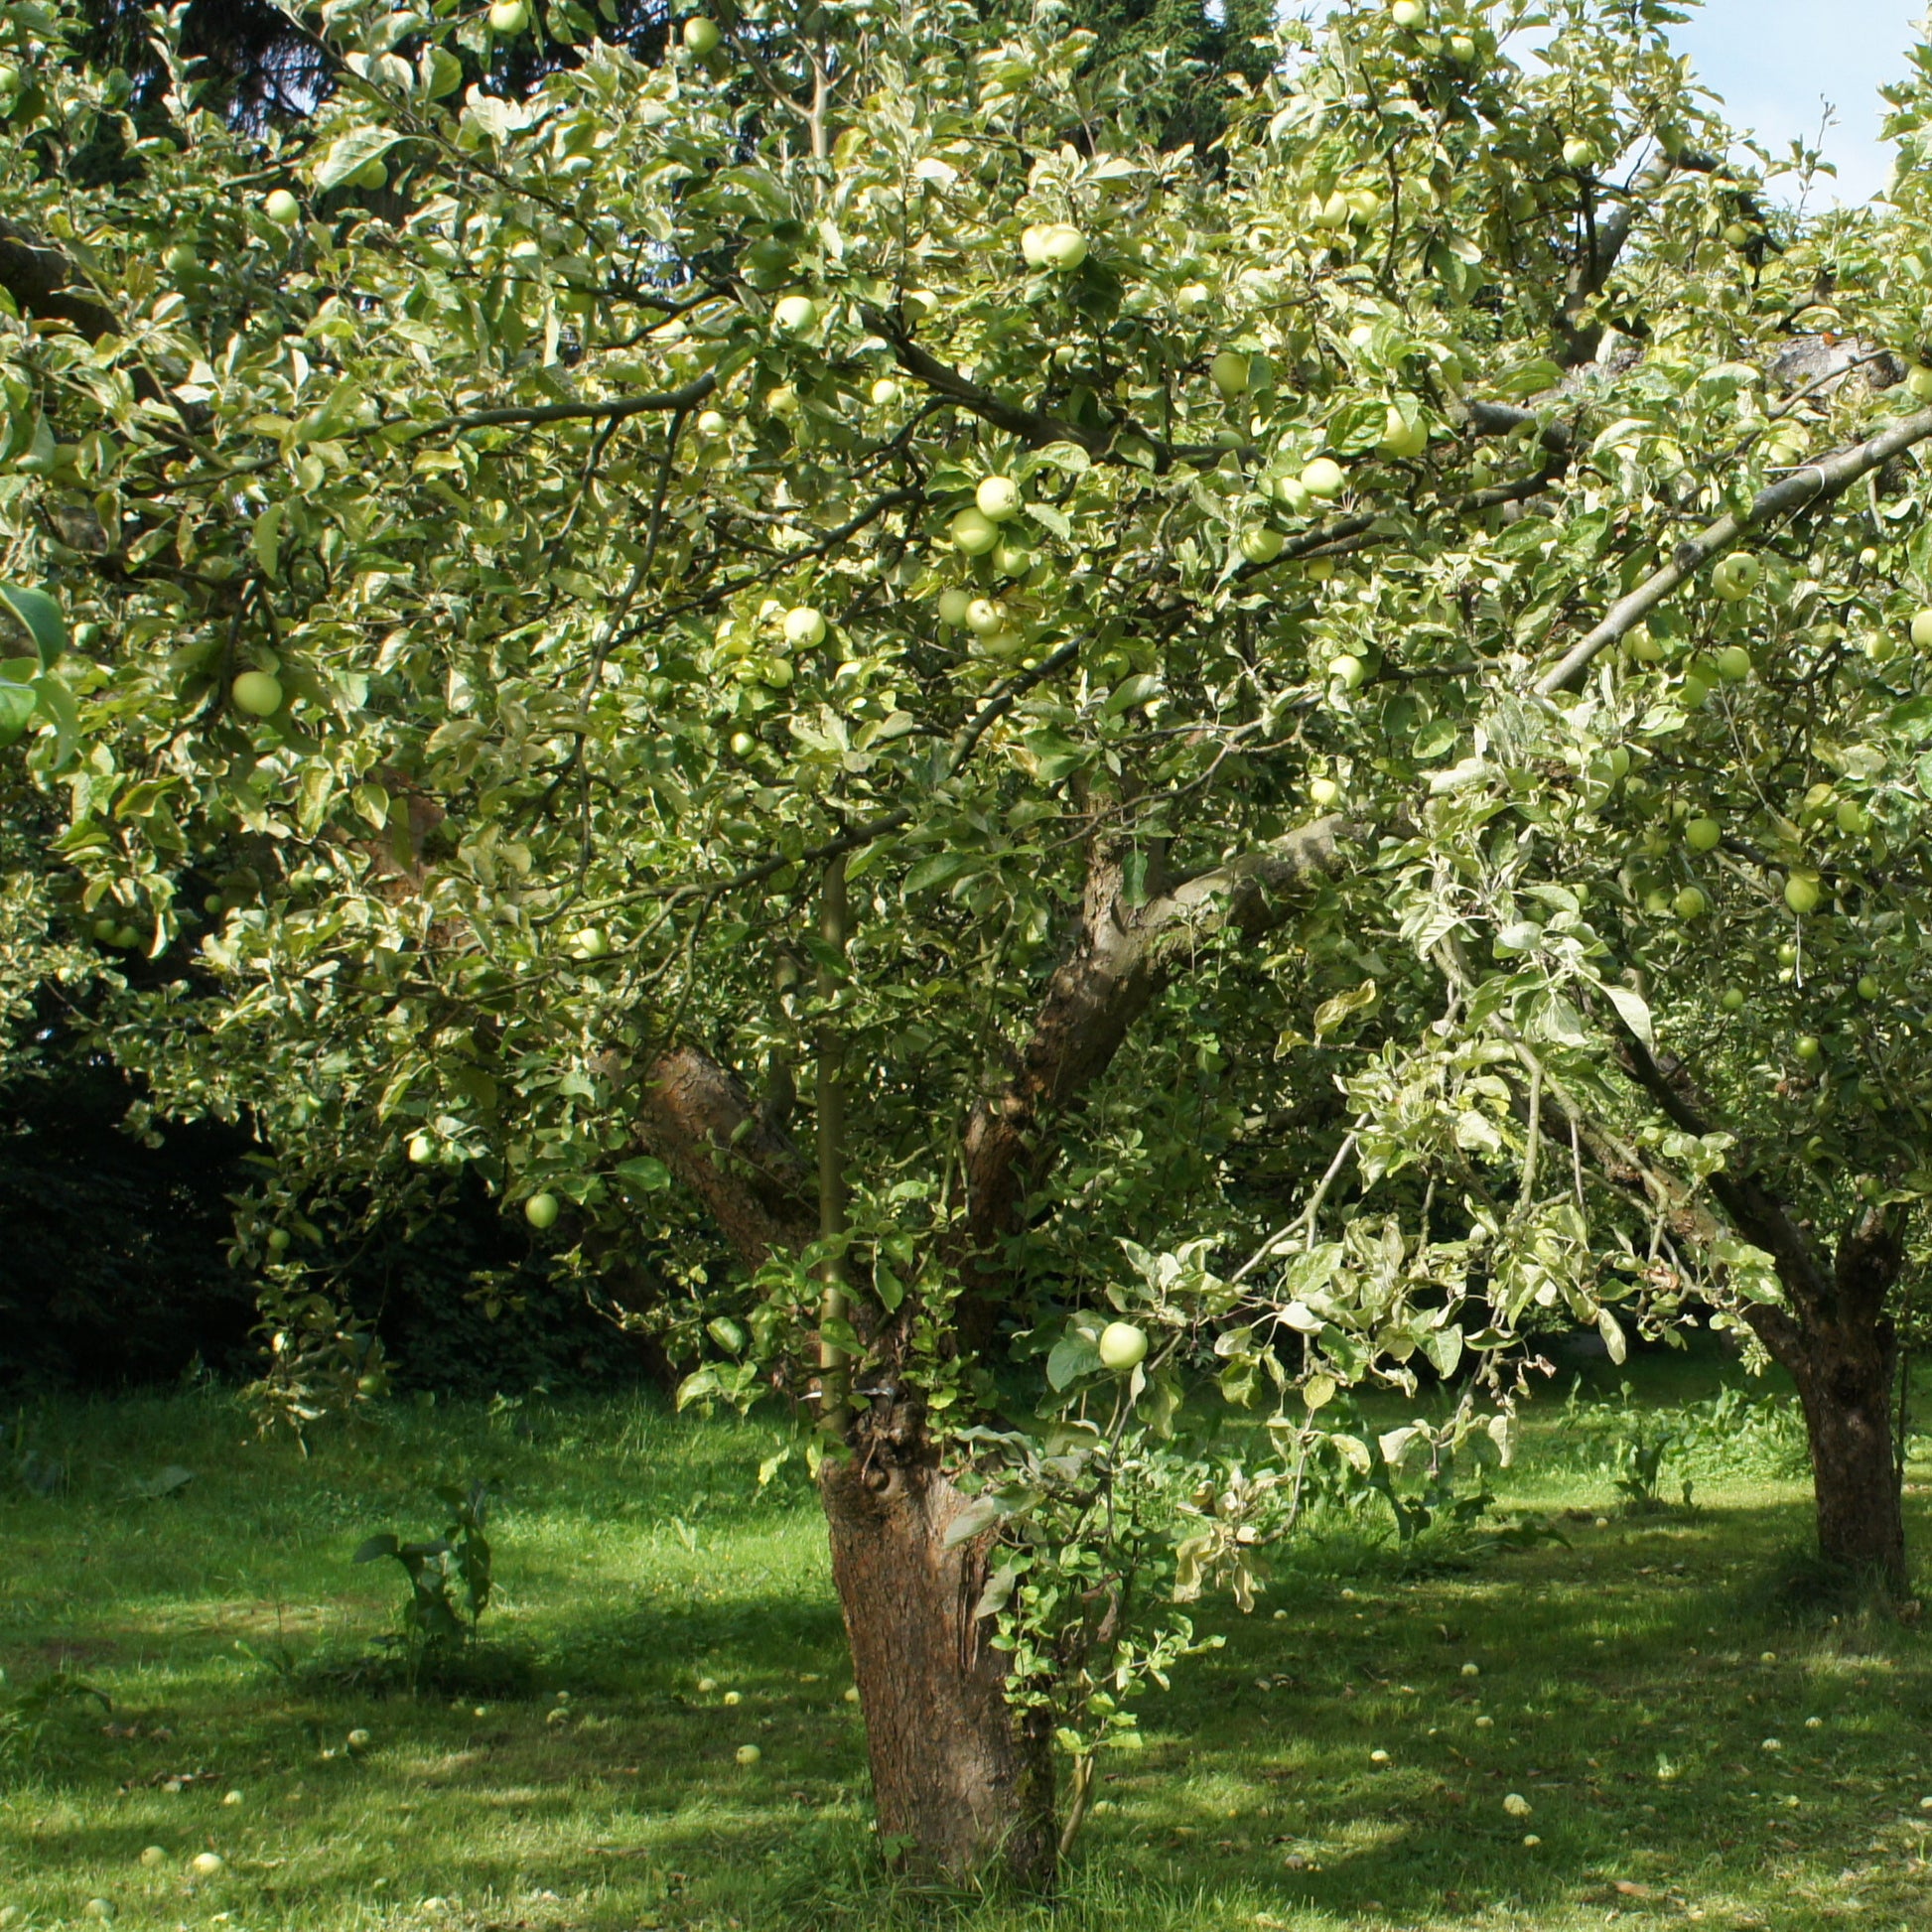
x=826, y=648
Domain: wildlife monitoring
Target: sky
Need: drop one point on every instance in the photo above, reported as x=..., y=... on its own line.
x=1777, y=62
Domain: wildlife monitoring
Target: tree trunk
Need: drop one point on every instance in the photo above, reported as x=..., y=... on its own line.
x=1845, y=1381
x=962, y=1789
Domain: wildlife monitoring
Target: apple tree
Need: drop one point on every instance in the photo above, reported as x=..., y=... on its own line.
x=823, y=653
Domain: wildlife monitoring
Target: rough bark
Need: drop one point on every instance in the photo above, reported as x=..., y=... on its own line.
x=1835, y=1340
x=698, y=1118
x=961, y=1785
x=1845, y=1382
x=962, y=1788
x=1121, y=959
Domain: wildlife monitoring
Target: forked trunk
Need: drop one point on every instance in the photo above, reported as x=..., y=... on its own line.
x=962, y=1791
x=1845, y=1381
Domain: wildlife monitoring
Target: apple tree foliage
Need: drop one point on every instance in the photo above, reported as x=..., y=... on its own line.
x=944, y=727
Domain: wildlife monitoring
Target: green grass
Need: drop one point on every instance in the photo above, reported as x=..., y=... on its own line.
x=1623, y=1673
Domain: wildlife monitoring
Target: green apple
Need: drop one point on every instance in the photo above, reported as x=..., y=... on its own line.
x=1806, y=1046
x=180, y=260
x=1401, y=438
x=783, y=400
x=1409, y=14
x=1731, y=1000
x=357, y=1740
x=214, y=904
x=1736, y=235
x=1695, y=689
x=749, y=1754
x=805, y=627
x=974, y=532
x=540, y=1210
x=1230, y=374
x=589, y=943
x=794, y=314
x=701, y=35
x=997, y=499
x=1123, y=1346
x=713, y=424
x=985, y=617
x=1063, y=246
x=508, y=17
x=1292, y=493
x=1333, y=212
x=1851, y=817
x=1867, y=987
x=884, y=392
x=743, y=745
x=282, y=207
x=1918, y=379
x=371, y=177
x=258, y=693
x=1032, y=244
x=1787, y=954
x=1922, y=620
x=422, y=1150
x=1011, y=558
x=1690, y=903
x=1579, y=152
x=1801, y=892
x=1324, y=791
x=1260, y=544
x=1462, y=50
x=1348, y=671
x=1734, y=577
x=1192, y=297
x=1643, y=646
x=953, y=605
x=1703, y=834
x=278, y=1241
x=1734, y=663
x=1323, y=479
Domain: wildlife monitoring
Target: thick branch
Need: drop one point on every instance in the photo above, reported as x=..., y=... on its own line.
x=1122, y=958
x=1578, y=337
x=1816, y=482
x=699, y=1120
x=1756, y=1213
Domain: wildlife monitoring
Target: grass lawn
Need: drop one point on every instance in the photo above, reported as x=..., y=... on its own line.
x=1628, y=1684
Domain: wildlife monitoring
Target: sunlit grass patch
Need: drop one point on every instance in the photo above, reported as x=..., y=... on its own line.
x=1620, y=1688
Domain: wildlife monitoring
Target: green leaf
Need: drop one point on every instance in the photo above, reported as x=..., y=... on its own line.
x=352, y=152
x=17, y=706
x=1612, y=1330
x=385, y=1545
x=58, y=706
x=1130, y=692
x=1073, y=1356
x=1444, y=1347
x=1332, y=1011
x=1049, y=518
x=974, y=1519
x=645, y=1172
x=941, y=870
x=1056, y=756
x=41, y=618
x=1631, y=1010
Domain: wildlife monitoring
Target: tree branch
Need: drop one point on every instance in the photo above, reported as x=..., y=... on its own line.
x=1816, y=482
x=1122, y=958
